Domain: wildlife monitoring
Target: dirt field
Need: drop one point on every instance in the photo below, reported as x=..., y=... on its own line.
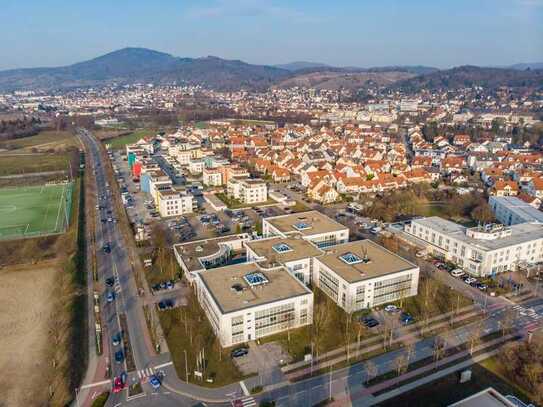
x=26, y=304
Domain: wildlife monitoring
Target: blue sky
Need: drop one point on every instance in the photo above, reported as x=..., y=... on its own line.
x=342, y=32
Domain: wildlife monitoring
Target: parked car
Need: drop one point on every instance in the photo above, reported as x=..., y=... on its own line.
x=110, y=296
x=457, y=273
x=239, y=352
x=392, y=308
x=110, y=281
x=406, y=318
x=162, y=305
x=107, y=248
x=369, y=322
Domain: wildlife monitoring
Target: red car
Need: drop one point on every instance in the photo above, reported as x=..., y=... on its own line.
x=118, y=385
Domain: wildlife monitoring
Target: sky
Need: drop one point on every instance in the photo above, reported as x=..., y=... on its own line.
x=364, y=33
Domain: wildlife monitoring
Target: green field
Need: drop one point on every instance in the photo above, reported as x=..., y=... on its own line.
x=120, y=142
x=34, y=211
x=12, y=164
x=46, y=139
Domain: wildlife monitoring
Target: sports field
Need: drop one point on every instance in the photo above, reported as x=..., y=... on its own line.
x=34, y=210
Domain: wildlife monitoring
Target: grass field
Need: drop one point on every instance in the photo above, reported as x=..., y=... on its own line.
x=12, y=164
x=45, y=140
x=118, y=143
x=34, y=211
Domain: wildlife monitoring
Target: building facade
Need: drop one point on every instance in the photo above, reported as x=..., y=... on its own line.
x=511, y=210
x=483, y=250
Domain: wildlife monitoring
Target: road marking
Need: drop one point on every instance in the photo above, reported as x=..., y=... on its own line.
x=139, y=374
x=87, y=386
x=248, y=402
x=244, y=388
x=163, y=365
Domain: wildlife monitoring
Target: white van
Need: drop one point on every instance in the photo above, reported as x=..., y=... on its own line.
x=457, y=273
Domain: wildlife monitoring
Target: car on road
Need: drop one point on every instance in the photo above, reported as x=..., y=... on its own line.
x=154, y=381
x=239, y=352
x=107, y=248
x=392, y=308
x=116, y=339
x=110, y=281
x=119, y=356
x=118, y=385
x=110, y=296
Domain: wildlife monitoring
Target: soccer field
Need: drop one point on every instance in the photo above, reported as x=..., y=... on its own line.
x=34, y=210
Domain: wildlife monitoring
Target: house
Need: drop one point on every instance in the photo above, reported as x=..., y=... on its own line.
x=504, y=188
x=323, y=193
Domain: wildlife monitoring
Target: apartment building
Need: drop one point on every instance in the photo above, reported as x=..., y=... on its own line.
x=510, y=210
x=361, y=275
x=245, y=303
x=174, y=203
x=292, y=252
x=248, y=191
x=311, y=225
x=212, y=177
x=482, y=250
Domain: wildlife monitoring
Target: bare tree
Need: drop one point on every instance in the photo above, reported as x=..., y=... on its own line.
x=399, y=363
x=475, y=337
x=507, y=321
x=371, y=370
x=320, y=319
x=439, y=349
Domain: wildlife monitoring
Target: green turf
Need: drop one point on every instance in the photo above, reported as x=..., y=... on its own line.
x=34, y=210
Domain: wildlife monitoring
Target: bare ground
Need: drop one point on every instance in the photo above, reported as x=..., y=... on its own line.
x=27, y=307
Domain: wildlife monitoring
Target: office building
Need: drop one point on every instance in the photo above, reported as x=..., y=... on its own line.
x=482, y=250
x=361, y=275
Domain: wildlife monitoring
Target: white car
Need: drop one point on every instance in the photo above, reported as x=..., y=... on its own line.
x=392, y=308
x=457, y=273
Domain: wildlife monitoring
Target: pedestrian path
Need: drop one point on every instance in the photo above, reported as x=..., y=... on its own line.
x=143, y=374
x=244, y=402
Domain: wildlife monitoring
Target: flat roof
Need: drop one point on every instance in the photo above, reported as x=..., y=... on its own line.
x=485, y=398
x=520, y=233
x=219, y=282
x=300, y=249
x=381, y=261
x=520, y=208
x=191, y=252
x=317, y=223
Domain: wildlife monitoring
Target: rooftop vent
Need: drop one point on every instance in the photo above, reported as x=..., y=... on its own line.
x=199, y=249
x=255, y=279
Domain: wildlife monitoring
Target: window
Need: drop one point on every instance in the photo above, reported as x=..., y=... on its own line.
x=281, y=248
x=302, y=226
x=255, y=279
x=350, y=258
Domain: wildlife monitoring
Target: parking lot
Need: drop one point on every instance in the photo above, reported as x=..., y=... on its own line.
x=265, y=359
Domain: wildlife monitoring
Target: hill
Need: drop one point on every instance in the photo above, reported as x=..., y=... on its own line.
x=298, y=65
x=130, y=65
x=468, y=76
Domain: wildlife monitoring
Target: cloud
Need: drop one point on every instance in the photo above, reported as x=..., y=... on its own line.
x=250, y=8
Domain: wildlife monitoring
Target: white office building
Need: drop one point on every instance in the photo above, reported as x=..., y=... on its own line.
x=481, y=250
x=246, y=302
x=360, y=275
x=511, y=210
x=292, y=252
x=311, y=225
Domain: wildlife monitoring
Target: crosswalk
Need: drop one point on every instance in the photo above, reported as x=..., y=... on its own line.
x=527, y=312
x=143, y=374
x=244, y=402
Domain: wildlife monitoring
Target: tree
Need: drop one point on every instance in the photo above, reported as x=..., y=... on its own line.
x=439, y=349
x=483, y=213
x=474, y=337
x=320, y=319
x=399, y=363
x=371, y=370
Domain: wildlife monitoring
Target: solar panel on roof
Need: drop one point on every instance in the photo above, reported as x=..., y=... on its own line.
x=281, y=248
x=350, y=258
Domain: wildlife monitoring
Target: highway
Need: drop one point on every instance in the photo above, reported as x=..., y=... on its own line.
x=175, y=392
